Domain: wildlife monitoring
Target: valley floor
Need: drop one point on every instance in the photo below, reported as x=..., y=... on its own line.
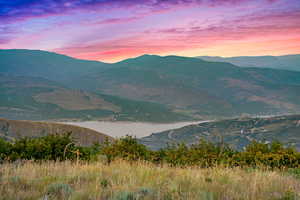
x=122, y=180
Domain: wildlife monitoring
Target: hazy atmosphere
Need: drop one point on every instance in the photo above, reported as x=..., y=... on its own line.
x=150, y=99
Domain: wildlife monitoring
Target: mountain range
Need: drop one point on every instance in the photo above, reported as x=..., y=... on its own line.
x=42, y=85
x=287, y=62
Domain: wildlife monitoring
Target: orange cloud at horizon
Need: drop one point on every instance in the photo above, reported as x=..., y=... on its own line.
x=131, y=28
x=190, y=45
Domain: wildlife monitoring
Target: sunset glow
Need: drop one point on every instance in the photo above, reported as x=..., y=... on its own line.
x=112, y=30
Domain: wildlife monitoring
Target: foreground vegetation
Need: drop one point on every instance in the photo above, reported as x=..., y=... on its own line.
x=122, y=180
x=54, y=167
x=203, y=154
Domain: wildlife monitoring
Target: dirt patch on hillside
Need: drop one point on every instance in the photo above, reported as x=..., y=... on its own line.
x=75, y=100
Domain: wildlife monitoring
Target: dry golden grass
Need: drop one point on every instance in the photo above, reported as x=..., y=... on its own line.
x=122, y=180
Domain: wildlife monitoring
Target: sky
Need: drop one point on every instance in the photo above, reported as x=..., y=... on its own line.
x=112, y=30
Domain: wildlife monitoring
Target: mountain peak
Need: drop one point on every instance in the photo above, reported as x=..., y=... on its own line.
x=147, y=56
x=151, y=57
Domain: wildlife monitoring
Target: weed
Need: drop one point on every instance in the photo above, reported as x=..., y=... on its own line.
x=59, y=191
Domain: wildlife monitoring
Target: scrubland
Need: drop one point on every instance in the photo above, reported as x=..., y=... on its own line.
x=122, y=180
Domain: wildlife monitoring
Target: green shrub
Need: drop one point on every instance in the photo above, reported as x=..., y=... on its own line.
x=125, y=195
x=203, y=154
x=126, y=148
x=56, y=147
x=5, y=149
x=145, y=191
x=104, y=183
x=294, y=172
x=273, y=155
x=59, y=191
x=50, y=147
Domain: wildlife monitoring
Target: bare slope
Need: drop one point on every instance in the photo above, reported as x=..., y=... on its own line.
x=11, y=129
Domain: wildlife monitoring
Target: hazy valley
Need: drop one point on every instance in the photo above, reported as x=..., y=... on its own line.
x=146, y=88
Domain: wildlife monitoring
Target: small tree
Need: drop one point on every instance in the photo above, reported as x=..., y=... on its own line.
x=5, y=150
x=126, y=148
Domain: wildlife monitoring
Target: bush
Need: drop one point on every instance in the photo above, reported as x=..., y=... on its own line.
x=126, y=148
x=56, y=147
x=204, y=154
x=5, y=149
x=50, y=147
x=59, y=191
x=273, y=155
x=294, y=172
x=125, y=195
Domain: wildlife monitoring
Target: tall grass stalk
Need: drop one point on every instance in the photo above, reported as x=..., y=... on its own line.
x=139, y=180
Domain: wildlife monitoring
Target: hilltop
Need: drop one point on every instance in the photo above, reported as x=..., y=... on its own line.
x=14, y=129
x=48, y=65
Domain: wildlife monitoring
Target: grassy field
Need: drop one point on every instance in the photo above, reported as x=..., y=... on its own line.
x=122, y=180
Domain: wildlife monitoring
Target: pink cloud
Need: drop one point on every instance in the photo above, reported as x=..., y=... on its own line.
x=274, y=27
x=149, y=26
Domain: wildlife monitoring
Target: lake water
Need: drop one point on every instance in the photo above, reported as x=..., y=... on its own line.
x=138, y=129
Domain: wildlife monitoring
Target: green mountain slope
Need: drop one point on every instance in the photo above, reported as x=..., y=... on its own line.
x=52, y=66
x=200, y=87
x=14, y=129
x=288, y=62
x=190, y=86
x=235, y=132
x=40, y=99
